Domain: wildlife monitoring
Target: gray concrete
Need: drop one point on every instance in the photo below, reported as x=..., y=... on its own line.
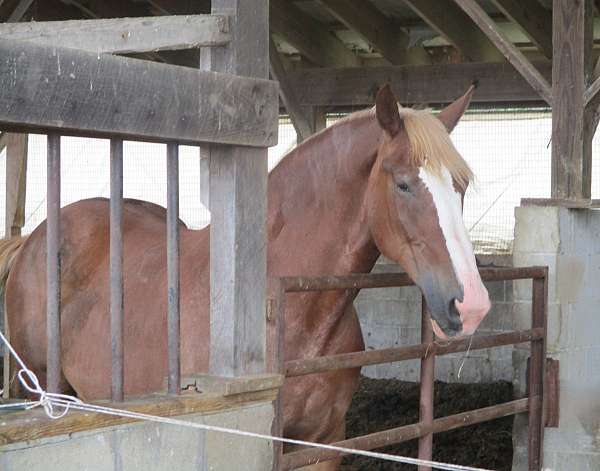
x=392, y=317
x=568, y=241
x=150, y=446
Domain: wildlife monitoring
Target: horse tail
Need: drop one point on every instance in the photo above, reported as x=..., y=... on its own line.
x=9, y=249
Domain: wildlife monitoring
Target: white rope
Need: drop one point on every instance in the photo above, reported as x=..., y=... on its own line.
x=51, y=400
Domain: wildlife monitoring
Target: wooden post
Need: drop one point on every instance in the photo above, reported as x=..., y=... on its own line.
x=16, y=171
x=238, y=205
x=571, y=73
x=427, y=385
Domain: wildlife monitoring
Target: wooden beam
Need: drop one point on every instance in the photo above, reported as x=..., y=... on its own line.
x=572, y=67
x=498, y=83
x=79, y=93
x=312, y=41
x=537, y=81
x=238, y=207
x=453, y=24
x=300, y=121
x=124, y=35
x=377, y=30
x=19, y=12
x=16, y=171
x=534, y=20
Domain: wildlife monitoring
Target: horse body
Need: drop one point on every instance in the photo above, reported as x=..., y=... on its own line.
x=320, y=221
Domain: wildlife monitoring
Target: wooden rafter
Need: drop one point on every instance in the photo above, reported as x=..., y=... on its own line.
x=451, y=22
x=19, y=12
x=299, y=119
x=508, y=49
x=311, y=40
x=377, y=30
x=533, y=18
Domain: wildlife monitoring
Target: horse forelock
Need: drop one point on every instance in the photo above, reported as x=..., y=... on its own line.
x=431, y=146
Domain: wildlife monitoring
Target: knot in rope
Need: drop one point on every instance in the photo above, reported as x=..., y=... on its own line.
x=46, y=399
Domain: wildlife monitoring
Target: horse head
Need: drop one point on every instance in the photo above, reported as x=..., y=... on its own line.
x=414, y=205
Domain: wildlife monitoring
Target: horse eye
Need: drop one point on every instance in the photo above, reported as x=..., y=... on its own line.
x=403, y=187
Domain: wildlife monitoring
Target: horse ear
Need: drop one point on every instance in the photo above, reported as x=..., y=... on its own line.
x=386, y=109
x=454, y=111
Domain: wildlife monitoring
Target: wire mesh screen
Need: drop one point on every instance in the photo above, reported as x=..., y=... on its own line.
x=508, y=149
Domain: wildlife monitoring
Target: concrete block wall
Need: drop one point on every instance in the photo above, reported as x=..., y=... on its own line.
x=391, y=317
x=568, y=242
x=152, y=447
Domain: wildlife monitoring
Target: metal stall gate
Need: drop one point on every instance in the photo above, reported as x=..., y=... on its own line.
x=533, y=404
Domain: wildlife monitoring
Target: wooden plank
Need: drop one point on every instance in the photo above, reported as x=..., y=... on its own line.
x=227, y=386
x=413, y=84
x=537, y=81
x=19, y=12
x=572, y=65
x=80, y=93
x=552, y=393
x=16, y=179
x=124, y=35
x=534, y=20
x=238, y=207
x=299, y=119
x=33, y=425
x=564, y=202
x=378, y=30
x=453, y=24
x=312, y=41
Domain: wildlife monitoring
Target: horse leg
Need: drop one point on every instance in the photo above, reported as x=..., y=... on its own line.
x=337, y=435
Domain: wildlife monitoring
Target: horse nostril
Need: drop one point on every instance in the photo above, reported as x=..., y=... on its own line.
x=454, y=321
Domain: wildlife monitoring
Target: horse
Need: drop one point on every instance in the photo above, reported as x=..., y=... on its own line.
x=386, y=180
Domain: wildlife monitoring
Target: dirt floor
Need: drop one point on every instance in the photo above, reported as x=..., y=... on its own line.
x=381, y=404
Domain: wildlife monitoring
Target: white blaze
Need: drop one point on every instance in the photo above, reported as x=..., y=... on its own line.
x=447, y=201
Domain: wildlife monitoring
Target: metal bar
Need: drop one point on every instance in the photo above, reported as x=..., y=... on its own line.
x=427, y=385
x=275, y=357
x=389, y=355
x=383, y=280
x=537, y=375
x=174, y=381
x=402, y=434
x=53, y=264
x=116, y=269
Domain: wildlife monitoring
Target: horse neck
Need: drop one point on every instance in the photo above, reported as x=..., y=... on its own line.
x=317, y=216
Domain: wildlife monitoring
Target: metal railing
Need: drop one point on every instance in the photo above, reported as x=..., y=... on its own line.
x=426, y=351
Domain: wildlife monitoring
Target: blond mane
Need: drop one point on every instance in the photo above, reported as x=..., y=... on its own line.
x=431, y=146
x=430, y=143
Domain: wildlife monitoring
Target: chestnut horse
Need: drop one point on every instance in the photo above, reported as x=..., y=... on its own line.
x=385, y=180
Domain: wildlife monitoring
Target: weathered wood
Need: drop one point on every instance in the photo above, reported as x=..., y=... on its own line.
x=537, y=81
x=299, y=119
x=451, y=22
x=238, y=206
x=413, y=84
x=564, y=202
x=227, y=386
x=572, y=67
x=80, y=93
x=19, y=12
x=312, y=41
x=427, y=379
x=33, y=425
x=534, y=20
x=124, y=35
x=16, y=178
x=378, y=30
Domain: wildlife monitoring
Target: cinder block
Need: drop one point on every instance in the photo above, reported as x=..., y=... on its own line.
x=577, y=461
x=536, y=229
x=522, y=288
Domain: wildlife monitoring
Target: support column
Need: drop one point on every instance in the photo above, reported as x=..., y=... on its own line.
x=566, y=240
x=571, y=75
x=238, y=205
x=16, y=171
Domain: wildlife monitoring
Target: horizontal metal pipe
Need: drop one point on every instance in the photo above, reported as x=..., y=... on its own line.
x=372, y=441
x=388, y=355
x=385, y=280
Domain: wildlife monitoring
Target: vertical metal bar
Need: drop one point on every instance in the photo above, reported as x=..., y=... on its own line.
x=427, y=383
x=116, y=269
x=174, y=379
x=53, y=264
x=536, y=375
x=276, y=356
